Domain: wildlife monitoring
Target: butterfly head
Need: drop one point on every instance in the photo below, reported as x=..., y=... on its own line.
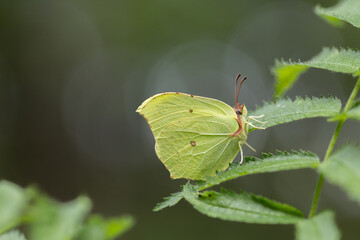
x=240, y=110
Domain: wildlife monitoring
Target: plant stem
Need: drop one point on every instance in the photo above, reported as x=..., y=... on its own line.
x=321, y=177
x=352, y=96
x=331, y=148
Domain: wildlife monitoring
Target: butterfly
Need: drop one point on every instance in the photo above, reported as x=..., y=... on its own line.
x=196, y=136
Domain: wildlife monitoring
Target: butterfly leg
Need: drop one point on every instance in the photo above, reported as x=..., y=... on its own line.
x=250, y=147
x=253, y=118
x=254, y=126
x=241, y=154
x=260, y=116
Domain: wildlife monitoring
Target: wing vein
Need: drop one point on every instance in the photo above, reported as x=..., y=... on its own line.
x=221, y=153
x=165, y=115
x=208, y=103
x=202, y=160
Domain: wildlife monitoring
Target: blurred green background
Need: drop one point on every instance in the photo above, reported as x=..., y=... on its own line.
x=72, y=74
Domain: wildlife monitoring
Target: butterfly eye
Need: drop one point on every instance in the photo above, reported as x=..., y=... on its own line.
x=241, y=109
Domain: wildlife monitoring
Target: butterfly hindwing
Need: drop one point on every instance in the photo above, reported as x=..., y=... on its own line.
x=196, y=148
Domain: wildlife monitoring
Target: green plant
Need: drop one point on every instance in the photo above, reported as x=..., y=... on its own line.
x=341, y=168
x=44, y=218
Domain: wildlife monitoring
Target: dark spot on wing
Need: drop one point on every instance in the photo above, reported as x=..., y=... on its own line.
x=190, y=110
x=193, y=143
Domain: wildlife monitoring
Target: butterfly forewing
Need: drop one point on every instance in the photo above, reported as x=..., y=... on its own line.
x=165, y=108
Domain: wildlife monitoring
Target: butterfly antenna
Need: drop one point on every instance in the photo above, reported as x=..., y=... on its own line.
x=236, y=87
x=237, y=90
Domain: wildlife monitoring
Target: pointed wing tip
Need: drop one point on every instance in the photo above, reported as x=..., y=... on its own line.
x=138, y=110
x=141, y=107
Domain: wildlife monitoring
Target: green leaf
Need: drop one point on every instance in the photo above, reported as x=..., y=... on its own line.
x=344, y=10
x=98, y=228
x=286, y=75
x=269, y=163
x=13, y=201
x=320, y=227
x=51, y=220
x=12, y=235
x=332, y=59
x=355, y=103
x=169, y=201
x=343, y=169
x=354, y=113
x=242, y=207
x=285, y=110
